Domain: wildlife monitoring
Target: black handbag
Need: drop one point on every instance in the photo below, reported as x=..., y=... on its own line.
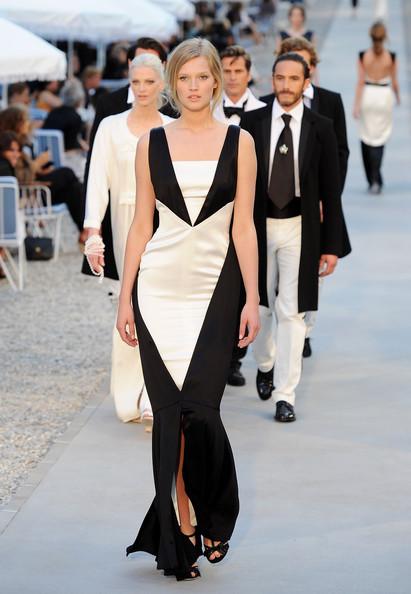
x=39, y=248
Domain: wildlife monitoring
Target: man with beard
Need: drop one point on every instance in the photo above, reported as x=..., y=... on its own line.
x=329, y=104
x=297, y=168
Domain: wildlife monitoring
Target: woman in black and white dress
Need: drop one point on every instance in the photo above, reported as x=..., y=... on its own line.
x=199, y=176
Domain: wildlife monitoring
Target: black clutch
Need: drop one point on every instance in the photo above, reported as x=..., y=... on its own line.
x=39, y=248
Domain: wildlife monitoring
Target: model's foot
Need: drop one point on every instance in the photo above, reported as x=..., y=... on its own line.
x=215, y=550
x=265, y=383
x=307, y=351
x=235, y=377
x=284, y=412
x=194, y=571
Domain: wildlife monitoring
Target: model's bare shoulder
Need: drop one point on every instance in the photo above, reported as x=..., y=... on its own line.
x=246, y=141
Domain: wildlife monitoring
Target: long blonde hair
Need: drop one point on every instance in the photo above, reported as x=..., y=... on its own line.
x=183, y=53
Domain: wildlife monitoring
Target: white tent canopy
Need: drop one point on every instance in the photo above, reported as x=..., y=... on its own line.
x=24, y=56
x=183, y=10
x=89, y=21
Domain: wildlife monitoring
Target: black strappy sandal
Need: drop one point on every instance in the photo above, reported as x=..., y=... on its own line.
x=192, y=572
x=221, y=548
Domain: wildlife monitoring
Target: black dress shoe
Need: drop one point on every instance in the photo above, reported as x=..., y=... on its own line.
x=284, y=412
x=265, y=383
x=236, y=378
x=307, y=351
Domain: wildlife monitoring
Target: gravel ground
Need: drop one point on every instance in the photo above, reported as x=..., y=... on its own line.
x=55, y=342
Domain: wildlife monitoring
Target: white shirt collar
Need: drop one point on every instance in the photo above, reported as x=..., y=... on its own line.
x=228, y=103
x=296, y=112
x=130, y=96
x=309, y=92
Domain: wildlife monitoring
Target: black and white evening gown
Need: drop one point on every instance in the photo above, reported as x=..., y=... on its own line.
x=188, y=281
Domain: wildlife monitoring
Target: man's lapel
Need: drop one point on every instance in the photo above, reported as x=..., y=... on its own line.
x=306, y=131
x=315, y=102
x=266, y=114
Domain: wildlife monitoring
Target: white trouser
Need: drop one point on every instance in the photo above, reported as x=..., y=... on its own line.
x=282, y=333
x=310, y=317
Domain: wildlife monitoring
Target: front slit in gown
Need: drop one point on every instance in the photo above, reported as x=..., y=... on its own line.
x=186, y=314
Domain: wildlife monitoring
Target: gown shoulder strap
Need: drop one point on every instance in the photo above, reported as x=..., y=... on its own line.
x=233, y=136
x=157, y=150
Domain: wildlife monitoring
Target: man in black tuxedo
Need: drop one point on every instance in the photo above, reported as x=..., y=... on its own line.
x=329, y=104
x=112, y=104
x=298, y=167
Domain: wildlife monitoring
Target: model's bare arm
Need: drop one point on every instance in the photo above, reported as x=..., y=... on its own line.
x=139, y=234
x=394, y=81
x=245, y=238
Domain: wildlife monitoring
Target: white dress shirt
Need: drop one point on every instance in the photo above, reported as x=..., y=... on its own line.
x=277, y=125
x=249, y=99
x=308, y=96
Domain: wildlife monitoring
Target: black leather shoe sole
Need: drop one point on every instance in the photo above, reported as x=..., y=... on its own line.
x=236, y=379
x=284, y=412
x=264, y=383
x=284, y=419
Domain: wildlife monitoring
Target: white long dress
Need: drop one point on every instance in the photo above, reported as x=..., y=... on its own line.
x=112, y=169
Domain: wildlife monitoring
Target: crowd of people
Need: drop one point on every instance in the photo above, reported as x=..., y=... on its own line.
x=238, y=220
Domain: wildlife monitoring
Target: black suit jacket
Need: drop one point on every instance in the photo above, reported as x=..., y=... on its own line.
x=319, y=180
x=107, y=105
x=329, y=104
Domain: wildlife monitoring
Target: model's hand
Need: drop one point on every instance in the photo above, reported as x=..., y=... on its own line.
x=125, y=323
x=356, y=112
x=328, y=262
x=96, y=261
x=250, y=321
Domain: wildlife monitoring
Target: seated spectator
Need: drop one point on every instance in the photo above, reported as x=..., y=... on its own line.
x=64, y=185
x=9, y=153
x=47, y=97
x=20, y=94
x=67, y=119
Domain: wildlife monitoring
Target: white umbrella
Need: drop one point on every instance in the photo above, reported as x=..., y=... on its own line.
x=90, y=21
x=24, y=56
x=149, y=19
x=183, y=10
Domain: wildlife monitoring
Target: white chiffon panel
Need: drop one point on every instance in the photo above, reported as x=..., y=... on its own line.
x=178, y=274
x=376, y=114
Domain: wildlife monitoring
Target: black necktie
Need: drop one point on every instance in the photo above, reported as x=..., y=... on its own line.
x=230, y=111
x=282, y=186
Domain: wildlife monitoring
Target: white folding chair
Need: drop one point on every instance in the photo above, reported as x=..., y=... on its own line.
x=50, y=140
x=42, y=217
x=12, y=232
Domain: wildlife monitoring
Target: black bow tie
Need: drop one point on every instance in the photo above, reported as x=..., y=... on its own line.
x=230, y=111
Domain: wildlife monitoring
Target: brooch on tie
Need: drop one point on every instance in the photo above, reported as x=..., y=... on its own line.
x=283, y=149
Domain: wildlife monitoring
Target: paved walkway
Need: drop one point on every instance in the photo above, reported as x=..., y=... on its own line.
x=325, y=501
